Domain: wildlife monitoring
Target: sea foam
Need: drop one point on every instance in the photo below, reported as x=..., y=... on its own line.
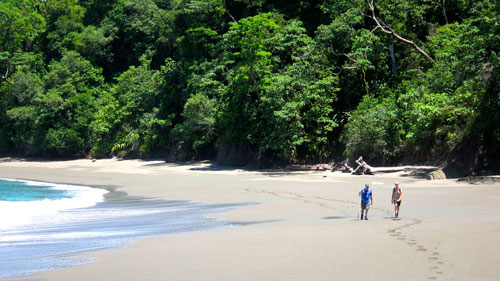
x=31, y=213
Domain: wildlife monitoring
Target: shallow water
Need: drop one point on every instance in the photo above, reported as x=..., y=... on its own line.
x=46, y=232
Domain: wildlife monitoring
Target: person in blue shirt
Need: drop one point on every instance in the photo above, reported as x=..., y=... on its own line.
x=366, y=200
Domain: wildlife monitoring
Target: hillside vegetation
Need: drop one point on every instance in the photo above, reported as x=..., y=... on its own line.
x=253, y=82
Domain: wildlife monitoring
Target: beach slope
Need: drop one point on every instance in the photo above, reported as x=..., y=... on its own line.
x=298, y=225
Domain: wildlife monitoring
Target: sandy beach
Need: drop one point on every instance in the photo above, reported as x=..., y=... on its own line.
x=303, y=225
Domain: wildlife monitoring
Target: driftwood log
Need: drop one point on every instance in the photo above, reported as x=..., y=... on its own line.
x=365, y=169
x=346, y=168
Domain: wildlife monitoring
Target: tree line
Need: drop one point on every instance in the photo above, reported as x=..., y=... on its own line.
x=253, y=81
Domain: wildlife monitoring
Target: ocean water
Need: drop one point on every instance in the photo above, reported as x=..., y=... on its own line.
x=45, y=226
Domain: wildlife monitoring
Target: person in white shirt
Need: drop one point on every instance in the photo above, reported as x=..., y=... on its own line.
x=397, y=196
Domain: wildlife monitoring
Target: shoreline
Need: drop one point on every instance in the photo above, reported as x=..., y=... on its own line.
x=52, y=234
x=304, y=226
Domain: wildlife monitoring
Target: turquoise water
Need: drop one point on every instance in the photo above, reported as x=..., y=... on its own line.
x=43, y=225
x=15, y=191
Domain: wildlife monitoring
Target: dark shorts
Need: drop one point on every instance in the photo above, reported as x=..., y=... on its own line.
x=396, y=203
x=365, y=206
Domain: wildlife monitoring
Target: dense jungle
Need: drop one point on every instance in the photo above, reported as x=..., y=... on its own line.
x=253, y=82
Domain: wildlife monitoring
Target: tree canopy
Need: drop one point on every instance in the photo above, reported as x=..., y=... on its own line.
x=253, y=82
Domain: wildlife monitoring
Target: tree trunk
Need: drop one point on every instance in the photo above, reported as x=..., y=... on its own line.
x=444, y=12
x=393, y=57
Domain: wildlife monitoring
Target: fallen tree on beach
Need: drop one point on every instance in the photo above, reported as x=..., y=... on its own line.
x=364, y=169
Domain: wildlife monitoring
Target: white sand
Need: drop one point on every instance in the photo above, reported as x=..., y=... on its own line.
x=304, y=226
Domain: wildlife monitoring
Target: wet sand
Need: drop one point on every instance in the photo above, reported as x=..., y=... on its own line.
x=304, y=226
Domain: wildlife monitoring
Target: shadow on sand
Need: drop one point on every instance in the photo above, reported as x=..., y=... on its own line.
x=214, y=167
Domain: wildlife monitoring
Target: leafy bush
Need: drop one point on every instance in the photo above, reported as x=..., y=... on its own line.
x=369, y=131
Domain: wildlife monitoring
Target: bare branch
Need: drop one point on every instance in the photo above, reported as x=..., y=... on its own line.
x=347, y=56
x=6, y=76
x=389, y=30
x=7, y=79
x=227, y=10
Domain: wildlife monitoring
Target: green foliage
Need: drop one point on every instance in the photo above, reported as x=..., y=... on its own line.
x=198, y=129
x=437, y=122
x=136, y=27
x=369, y=131
x=20, y=27
x=248, y=45
x=55, y=110
x=67, y=105
x=346, y=11
x=278, y=99
x=103, y=125
x=127, y=120
x=64, y=22
x=94, y=43
x=284, y=80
